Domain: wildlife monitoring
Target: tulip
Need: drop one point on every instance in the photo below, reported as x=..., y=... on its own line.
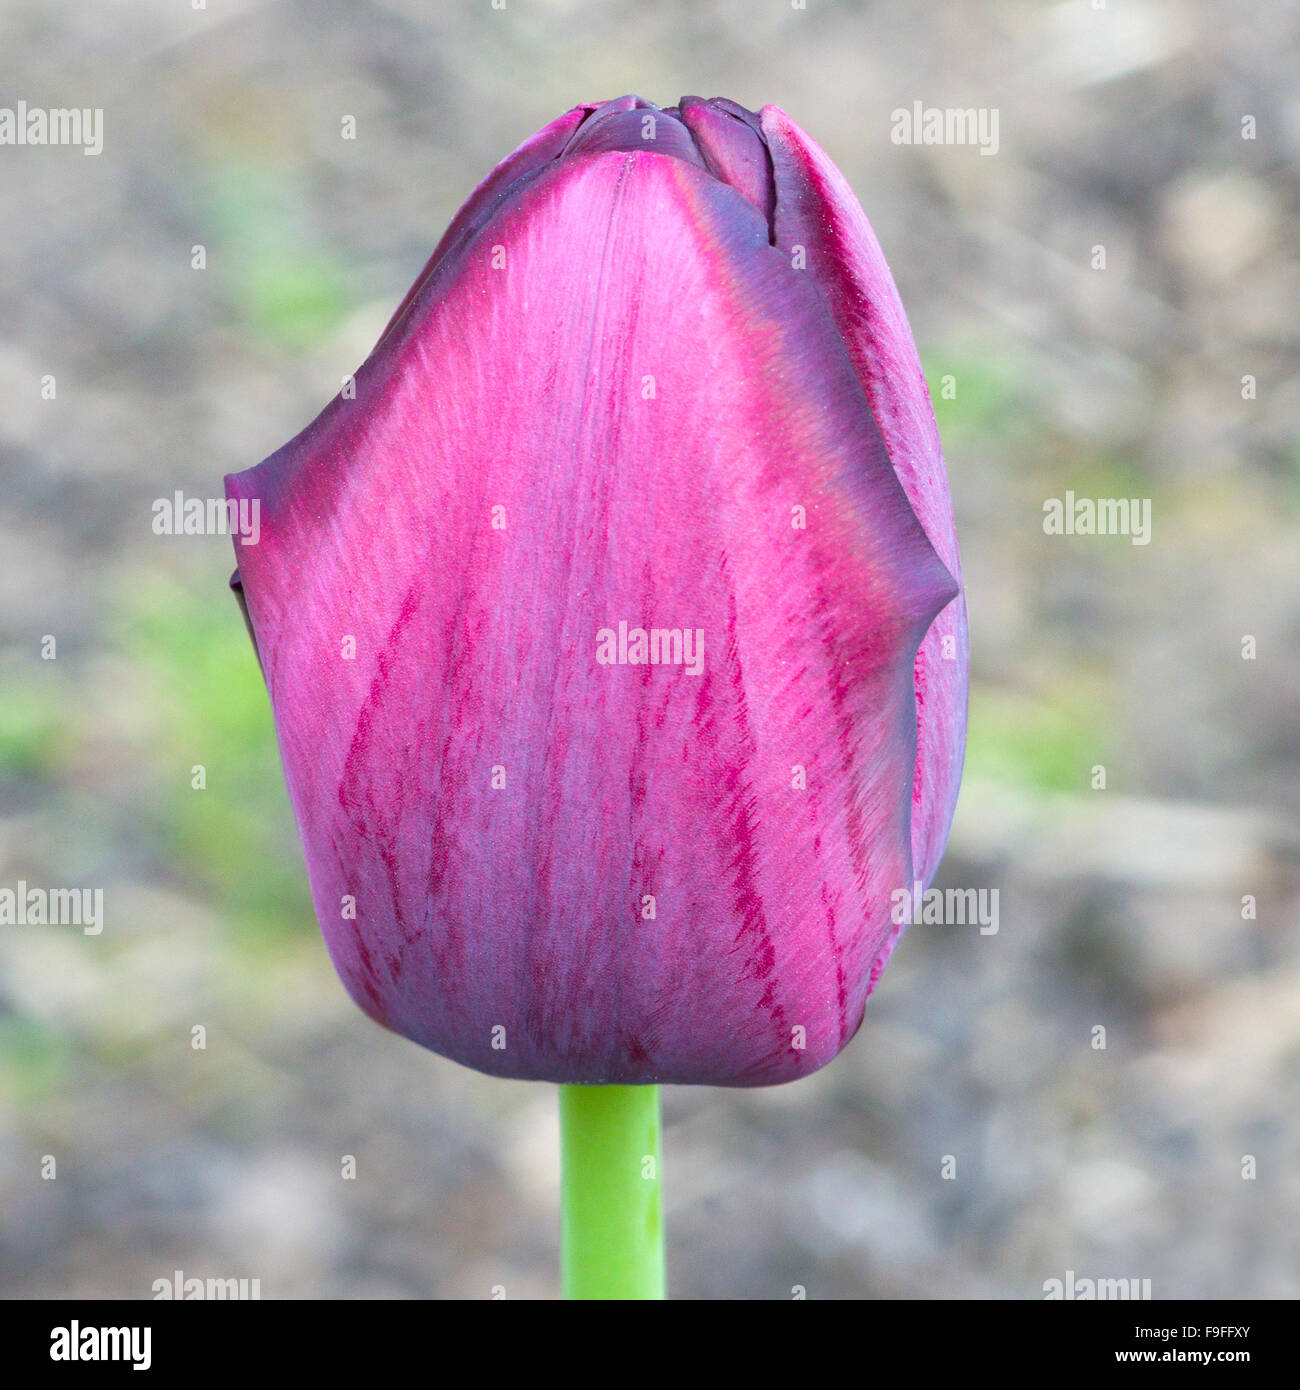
x=611, y=616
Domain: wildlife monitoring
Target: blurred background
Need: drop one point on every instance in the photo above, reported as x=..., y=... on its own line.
x=974, y=1141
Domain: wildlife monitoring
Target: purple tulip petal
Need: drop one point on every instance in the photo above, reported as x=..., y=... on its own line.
x=642, y=127
x=622, y=363
x=533, y=155
x=816, y=208
x=733, y=149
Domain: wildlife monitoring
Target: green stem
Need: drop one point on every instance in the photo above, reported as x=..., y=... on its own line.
x=611, y=1228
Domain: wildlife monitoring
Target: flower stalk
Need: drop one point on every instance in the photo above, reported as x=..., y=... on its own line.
x=611, y=1221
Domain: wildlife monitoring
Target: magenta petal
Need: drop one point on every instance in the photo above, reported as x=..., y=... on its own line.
x=733, y=150
x=643, y=127
x=617, y=404
x=533, y=155
x=816, y=208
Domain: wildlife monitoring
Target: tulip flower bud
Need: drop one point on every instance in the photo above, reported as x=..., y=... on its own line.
x=612, y=626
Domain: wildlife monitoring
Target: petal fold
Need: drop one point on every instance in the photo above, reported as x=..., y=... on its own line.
x=816, y=208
